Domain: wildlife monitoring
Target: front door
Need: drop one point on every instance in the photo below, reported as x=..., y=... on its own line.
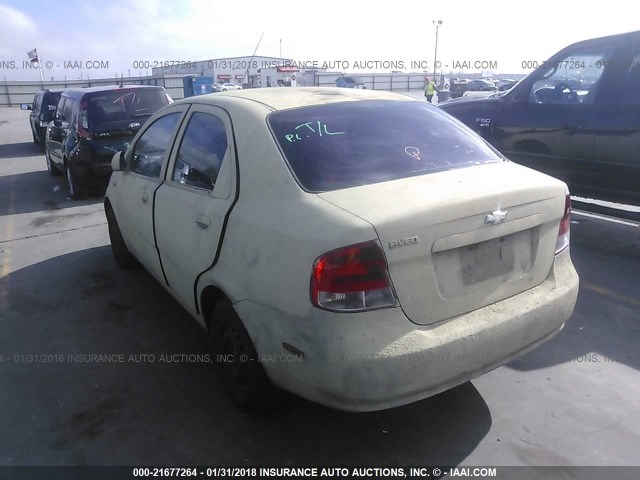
x=138, y=184
x=192, y=204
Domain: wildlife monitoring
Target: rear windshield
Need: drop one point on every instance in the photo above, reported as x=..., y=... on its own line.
x=348, y=144
x=122, y=105
x=49, y=104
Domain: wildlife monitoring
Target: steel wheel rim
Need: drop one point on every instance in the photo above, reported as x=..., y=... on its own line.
x=233, y=344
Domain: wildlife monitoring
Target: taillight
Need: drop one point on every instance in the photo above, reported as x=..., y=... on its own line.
x=352, y=278
x=83, y=121
x=563, y=231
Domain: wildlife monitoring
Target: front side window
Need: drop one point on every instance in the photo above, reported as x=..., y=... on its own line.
x=201, y=152
x=571, y=80
x=152, y=147
x=347, y=144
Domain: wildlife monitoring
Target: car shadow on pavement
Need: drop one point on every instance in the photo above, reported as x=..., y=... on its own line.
x=149, y=395
x=36, y=191
x=19, y=150
x=604, y=328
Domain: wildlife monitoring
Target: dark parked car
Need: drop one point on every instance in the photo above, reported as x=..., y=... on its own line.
x=576, y=117
x=480, y=86
x=91, y=124
x=43, y=110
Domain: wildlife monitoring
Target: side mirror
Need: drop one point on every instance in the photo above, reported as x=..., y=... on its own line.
x=25, y=106
x=118, y=162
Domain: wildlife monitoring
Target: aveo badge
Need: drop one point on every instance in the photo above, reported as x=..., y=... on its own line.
x=403, y=242
x=134, y=125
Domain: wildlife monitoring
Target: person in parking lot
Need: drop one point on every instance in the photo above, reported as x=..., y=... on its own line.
x=430, y=89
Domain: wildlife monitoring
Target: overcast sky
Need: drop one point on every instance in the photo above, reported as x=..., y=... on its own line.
x=122, y=32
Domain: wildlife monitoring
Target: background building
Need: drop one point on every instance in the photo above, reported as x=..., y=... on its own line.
x=249, y=71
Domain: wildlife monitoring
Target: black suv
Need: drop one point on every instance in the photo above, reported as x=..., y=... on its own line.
x=92, y=124
x=576, y=117
x=43, y=111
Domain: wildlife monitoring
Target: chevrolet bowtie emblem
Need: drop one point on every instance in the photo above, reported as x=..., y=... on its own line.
x=496, y=217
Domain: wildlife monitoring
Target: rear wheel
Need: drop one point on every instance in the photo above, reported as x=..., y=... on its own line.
x=121, y=253
x=77, y=190
x=244, y=378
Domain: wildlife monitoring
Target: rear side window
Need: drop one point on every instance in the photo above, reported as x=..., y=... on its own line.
x=152, y=147
x=112, y=108
x=347, y=144
x=201, y=151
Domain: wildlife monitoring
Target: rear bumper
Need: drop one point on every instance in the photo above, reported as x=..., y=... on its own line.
x=377, y=360
x=87, y=166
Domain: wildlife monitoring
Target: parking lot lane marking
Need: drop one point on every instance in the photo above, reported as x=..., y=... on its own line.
x=607, y=219
x=608, y=293
x=53, y=233
x=5, y=269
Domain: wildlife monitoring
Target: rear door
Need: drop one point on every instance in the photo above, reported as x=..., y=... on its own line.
x=617, y=143
x=57, y=132
x=190, y=207
x=549, y=123
x=138, y=184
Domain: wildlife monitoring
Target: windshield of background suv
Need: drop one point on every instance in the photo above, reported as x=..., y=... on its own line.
x=121, y=105
x=348, y=144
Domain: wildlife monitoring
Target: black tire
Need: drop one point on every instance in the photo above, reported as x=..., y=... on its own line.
x=77, y=190
x=53, y=171
x=41, y=141
x=245, y=380
x=121, y=253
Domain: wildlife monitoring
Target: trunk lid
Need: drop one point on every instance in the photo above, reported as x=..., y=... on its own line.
x=444, y=258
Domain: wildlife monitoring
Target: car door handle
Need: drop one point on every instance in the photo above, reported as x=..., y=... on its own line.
x=145, y=198
x=203, y=222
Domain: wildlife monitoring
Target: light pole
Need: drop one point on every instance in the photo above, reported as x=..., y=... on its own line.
x=437, y=23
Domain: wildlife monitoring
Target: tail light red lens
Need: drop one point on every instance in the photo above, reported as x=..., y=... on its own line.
x=352, y=278
x=564, y=230
x=83, y=121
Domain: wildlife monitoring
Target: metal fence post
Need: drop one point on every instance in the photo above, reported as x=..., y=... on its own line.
x=6, y=87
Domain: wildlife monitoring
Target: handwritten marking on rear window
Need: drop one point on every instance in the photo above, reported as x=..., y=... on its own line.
x=413, y=152
x=310, y=129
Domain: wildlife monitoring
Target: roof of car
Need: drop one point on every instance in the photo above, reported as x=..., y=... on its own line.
x=284, y=97
x=79, y=92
